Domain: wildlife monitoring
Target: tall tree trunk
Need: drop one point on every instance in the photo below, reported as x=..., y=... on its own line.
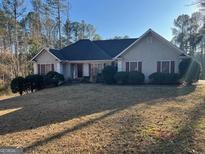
x=16, y=35
x=202, y=61
x=9, y=35
x=59, y=24
x=4, y=43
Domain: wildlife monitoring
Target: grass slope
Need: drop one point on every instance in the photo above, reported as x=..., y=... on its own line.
x=94, y=118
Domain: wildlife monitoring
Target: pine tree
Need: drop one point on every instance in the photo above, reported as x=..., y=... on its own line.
x=58, y=7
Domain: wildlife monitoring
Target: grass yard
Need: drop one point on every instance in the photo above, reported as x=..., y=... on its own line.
x=6, y=93
x=91, y=118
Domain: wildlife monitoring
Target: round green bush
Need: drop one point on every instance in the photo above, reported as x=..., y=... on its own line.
x=99, y=78
x=18, y=85
x=55, y=78
x=190, y=70
x=34, y=82
x=121, y=78
x=108, y=74
x=164, y=78
x=135, y=77
x=184, y=65
x=50, y=82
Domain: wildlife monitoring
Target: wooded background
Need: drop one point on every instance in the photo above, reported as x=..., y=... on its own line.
x=24, y=32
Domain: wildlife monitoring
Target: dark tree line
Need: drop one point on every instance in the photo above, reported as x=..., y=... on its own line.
x=47, y=24
x=24, y=32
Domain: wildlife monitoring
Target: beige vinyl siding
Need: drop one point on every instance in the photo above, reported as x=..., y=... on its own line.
x=149, y=50
x=46, y=58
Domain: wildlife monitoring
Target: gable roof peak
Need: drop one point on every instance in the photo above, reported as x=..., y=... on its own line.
x=84, y=40
x=155, y=34
x=150, y=29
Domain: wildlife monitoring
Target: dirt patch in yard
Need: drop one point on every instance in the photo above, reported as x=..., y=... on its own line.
x=95, y=118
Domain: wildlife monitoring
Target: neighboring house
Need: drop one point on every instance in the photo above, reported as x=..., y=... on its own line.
x=148, y=54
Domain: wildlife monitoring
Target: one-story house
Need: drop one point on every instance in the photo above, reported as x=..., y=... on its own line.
x=148, y=54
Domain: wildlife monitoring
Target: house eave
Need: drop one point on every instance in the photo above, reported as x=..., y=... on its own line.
x=47, y=50
x=87, y=61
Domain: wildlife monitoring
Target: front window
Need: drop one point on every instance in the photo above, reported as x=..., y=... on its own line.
x=133, y=66
x=45, y=68
x=166, y=66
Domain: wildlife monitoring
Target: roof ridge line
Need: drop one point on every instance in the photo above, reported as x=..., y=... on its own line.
x=101, y=49
x=115, y=39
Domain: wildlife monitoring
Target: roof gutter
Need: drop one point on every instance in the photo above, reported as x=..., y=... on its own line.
x=87, y=61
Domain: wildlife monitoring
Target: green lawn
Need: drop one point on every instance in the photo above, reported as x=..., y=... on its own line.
x=91, y=118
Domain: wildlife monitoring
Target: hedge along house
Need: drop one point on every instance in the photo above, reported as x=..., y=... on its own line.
x=148, y=54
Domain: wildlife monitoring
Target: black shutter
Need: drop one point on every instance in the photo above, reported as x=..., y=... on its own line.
x=39, y=69
x=158, y=66
x=172, y=66
x=127, y=66
x=140, y=66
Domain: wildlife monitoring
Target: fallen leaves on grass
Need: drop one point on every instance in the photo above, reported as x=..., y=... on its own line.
x=107, y=119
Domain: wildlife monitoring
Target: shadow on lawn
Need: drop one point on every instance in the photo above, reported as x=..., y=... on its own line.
x=65, y=103
x=62, y=133
x=183, y=141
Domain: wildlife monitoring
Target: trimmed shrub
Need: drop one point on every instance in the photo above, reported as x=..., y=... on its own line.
x=135, y=77
x=85, y=79
x=49, y=82
x=69, y=80
x=184, y=65
x=55, y=78
x=164, y=78
x=34, y=82
x=18, y=85
x=190, y=70
x=99, y=78
x=121, y=78
x=108, y=74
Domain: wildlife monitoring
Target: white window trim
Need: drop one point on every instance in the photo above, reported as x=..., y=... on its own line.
x=132, y=62
x=45, y=67
x=170, y=67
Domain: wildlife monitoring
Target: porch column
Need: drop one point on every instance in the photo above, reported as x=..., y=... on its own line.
x=35, y=68
x=58, y=67
x=85, y=69
x=119, y=65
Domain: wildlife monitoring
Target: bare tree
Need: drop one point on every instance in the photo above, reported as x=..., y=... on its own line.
x=13, y=9
x=58, y=7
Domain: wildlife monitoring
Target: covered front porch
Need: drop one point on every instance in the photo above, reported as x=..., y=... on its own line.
x=79, y=70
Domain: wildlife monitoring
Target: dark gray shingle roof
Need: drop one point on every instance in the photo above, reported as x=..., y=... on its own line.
x=57, y=53
x=114, y=47
x=93, y=50
x=84, y=50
